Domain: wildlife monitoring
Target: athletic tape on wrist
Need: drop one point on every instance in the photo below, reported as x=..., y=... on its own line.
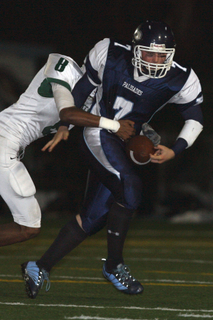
x=108, y=124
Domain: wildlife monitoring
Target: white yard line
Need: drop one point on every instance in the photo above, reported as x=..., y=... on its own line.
x=105, y=307
x=82, y=317
x=193, y=315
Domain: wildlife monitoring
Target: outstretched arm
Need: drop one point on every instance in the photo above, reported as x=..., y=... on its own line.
x=124, y=129
x=70, y=114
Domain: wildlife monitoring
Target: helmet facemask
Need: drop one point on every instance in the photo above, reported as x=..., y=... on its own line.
x=153, y=70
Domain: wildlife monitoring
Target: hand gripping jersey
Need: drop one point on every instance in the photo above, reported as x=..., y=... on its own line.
x=35, y=113
x=123, y=93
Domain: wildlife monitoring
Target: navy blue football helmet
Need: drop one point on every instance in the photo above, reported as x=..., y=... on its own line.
x=153, y=36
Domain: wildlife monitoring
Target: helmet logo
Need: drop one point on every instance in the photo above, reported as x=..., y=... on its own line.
x=138, y=35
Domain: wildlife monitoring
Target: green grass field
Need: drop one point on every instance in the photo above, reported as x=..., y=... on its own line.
x=174, y=262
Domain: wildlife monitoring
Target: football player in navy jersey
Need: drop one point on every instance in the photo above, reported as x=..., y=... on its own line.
x=133, y=81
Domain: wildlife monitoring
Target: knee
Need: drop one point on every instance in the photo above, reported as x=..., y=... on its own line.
x=92, y=226
x=29, y=233
x=133, y=193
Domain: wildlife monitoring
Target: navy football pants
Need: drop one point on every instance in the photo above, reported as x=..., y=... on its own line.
x=105, y=187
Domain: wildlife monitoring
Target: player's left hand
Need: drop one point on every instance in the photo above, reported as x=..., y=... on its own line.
x=61, y=134
x=162, y=154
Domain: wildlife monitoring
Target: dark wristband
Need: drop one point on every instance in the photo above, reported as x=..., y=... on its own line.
x=65, y=124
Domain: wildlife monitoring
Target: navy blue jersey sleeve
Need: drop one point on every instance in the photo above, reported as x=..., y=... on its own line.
x=82, y=90
x=179, y=146
x=193, y=112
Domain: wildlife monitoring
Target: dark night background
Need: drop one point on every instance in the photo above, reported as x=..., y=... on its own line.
x=30, y=30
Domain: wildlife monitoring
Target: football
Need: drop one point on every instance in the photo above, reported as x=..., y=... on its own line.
x=139, y=149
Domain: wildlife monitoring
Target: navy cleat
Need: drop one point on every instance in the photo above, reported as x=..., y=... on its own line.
x=123, y=280
x=34, y=278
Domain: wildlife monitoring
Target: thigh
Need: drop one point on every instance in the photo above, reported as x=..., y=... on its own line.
x=17, y=188
x=106, y=157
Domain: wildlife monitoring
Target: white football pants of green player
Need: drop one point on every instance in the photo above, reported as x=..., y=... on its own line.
x=18, y=190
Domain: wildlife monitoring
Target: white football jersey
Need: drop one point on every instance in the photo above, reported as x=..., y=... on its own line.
x=35, y=113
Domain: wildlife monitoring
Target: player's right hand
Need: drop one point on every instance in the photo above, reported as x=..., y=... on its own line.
x=61, y=134
x=126, y=130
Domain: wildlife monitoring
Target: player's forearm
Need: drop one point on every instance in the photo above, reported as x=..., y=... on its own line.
x=187, y=136
x=80, y=117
